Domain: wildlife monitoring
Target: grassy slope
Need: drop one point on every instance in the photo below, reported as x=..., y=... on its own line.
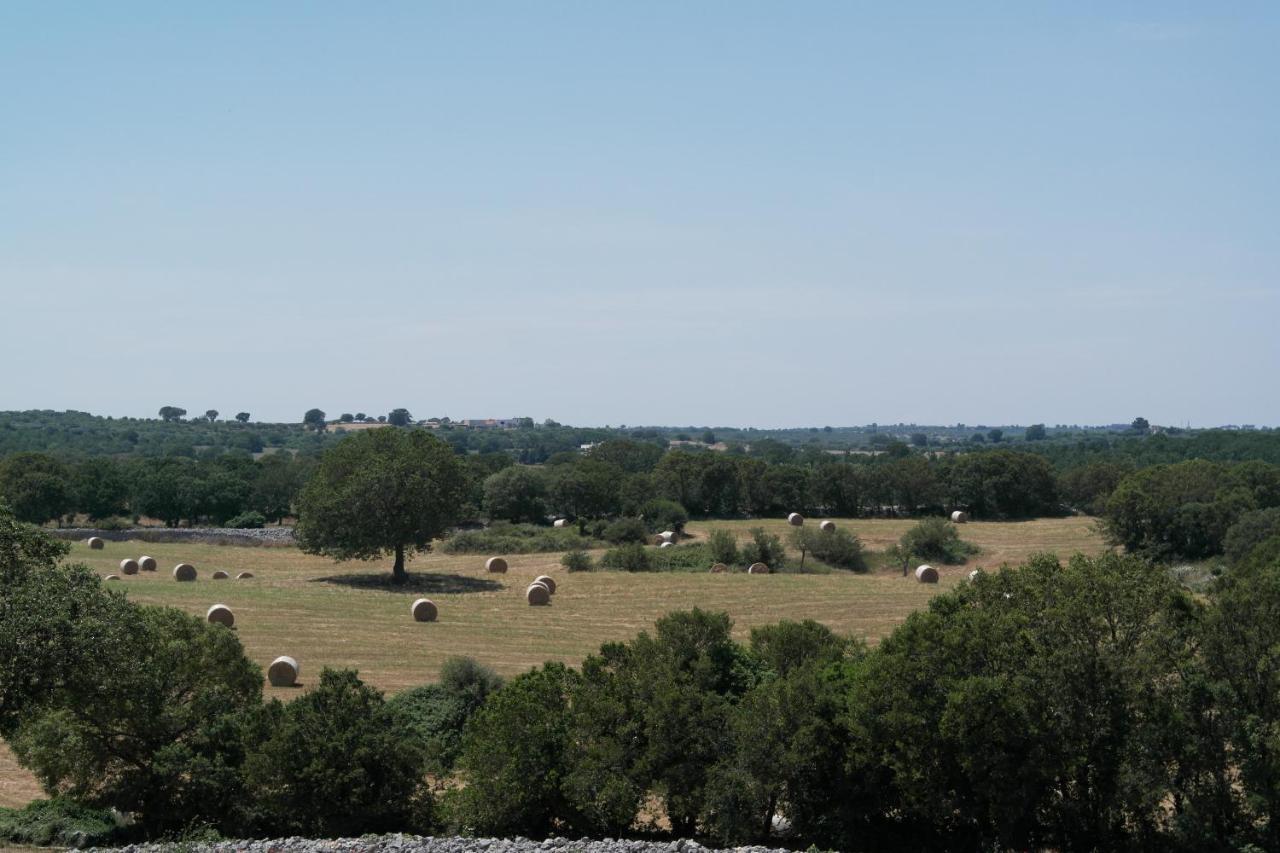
x=289, y=607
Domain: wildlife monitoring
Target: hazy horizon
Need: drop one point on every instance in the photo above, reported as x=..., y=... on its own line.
x=726, y=213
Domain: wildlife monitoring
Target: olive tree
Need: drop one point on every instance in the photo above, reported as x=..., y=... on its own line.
x=381, y=491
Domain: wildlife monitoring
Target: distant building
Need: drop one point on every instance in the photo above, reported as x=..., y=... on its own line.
x=489, y=423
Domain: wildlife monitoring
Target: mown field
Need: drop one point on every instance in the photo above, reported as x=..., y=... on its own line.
x=344, y=615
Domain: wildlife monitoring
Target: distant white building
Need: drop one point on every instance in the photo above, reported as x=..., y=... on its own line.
x=489, y=423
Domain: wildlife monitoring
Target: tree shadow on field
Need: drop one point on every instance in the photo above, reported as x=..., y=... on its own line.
x=414, y=584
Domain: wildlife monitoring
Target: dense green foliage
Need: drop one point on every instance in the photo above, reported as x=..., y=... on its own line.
x=61, y=822
x=384, y=490
x=936, y=539
x=438, y=713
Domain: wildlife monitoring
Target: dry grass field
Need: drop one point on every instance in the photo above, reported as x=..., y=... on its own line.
x=344, y=615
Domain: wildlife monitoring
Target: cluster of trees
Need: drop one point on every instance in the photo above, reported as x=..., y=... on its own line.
x=231, y=489
x=1091, y=705
x=619, y=476
x=1187, y=509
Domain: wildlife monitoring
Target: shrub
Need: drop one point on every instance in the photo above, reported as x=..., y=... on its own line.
x=250, y=519
x=577, y=561
x=764, y=548
x=662, y=514
x=723, y=546
x=60, y=821
x=632, y=557
x=626, y=530
x=338, y=763
x=437, y=713
x=936, y=539
x=838, y=548
x=503, y=538
x=115, y=522
x=681, y=558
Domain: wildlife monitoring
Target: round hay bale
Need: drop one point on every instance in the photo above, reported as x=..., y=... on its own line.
x=147, y=564
x=96, y=543
x=757, y=569
x=973, y=575
x=718, y=568
x=283, y=672
x=560, y=522
x=424, y=610
x=220, y=614
x=244, y=576
x=927, y=574
x=537, y=594
x=667, y=536
x=112, y=578
x=184, y=572
x=827, y=526
x=795, y=519
x=128, y=566
x=220, y=575
x=667, y=545
x=495, y=564
x=959, y=517
x=547, y=581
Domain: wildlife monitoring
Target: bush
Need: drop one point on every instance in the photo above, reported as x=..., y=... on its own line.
x=338, y=763
x=438, y=713
x=577, y=561
x=61, y=822
x=936, y=539
x=251, y=519
x=626, y=530
x=723, y=546
x=764, y=548
x=662, y=514
x=503, y=538
x=115, y=522
x=838, y=548
x=632, y=557
x=681, y=558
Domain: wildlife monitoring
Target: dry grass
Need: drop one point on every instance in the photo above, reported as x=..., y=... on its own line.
x=342, y=615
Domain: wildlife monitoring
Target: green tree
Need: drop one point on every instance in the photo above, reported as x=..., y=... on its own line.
x=172, y=414
x=150, y=721
x=314, y=420
x=101, y=488
x=36, y=486
x=211, y=415
x=381, y=491
x=242, y=417
x=338, y=763
x=438, y=713
x=513, y=757
x=996, y=435
x=1035, y=432
x=399, y=417
x=516, y=494
x=346, y=417
x=936, y=539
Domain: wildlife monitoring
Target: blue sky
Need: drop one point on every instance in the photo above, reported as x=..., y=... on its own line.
x=727, y=213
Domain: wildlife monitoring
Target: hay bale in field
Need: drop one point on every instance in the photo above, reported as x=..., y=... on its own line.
x=560, y=522
x=244, y=576
x=927, y=574
x=959, y=517
x=283, y=672
x=184, y=572
x=667, y=545
x=147, y=564
x=424, y=610
x=718, y=568
x=547, y=581
x=96, y=543
x=495, y=564
x=757, y=569
x=973, y=575
x=128, y=566
x=537, y=594
x=827, y=526
x=795, y=519
x=667, y=536
x=112, y=578
x=220, y=575
x=220, y=614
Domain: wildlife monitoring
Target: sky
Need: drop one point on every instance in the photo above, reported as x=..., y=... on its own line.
x=727, y=213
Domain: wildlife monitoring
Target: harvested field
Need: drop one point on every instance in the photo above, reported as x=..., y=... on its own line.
x=349, y=615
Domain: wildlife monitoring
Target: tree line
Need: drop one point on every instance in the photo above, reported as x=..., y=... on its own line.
x=1091, y=704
